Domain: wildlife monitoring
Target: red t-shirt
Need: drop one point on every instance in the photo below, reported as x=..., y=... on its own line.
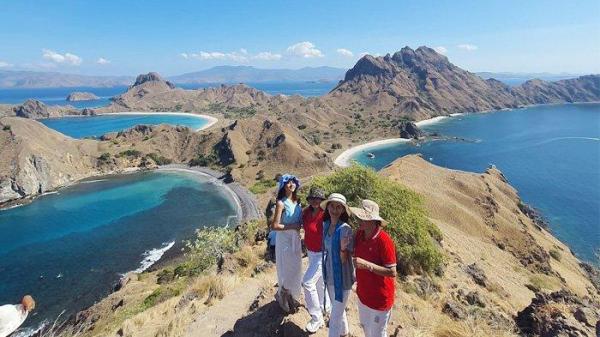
x=374, y=291
x=313, y=228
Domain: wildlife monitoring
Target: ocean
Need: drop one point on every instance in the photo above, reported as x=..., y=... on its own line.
x=68, y=248
x=57, y=96
x=550, y=154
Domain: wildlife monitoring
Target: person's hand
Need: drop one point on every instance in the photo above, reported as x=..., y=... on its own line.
x=361, y=263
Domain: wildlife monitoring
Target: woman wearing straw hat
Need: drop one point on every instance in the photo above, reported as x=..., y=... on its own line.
x=375, y=261
x=288, y=248
x=338, y=271
x=312, y=282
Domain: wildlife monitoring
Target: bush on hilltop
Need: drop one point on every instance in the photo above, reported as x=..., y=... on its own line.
x=414, y=235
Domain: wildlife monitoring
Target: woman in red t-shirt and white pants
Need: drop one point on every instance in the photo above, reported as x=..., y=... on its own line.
x=312, y=282
x=375, y=263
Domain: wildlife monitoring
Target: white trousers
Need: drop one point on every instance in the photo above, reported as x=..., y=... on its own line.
x=314, y=290
x=288, y=260
x=374, y=322
x=338, y=322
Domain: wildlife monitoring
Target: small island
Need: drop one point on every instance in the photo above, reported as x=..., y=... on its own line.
x=81, y=96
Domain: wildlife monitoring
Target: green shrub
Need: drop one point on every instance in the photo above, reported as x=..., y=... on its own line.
x=262, y=186
x=130, y=153
x=301, y=126
x=104, y=157
x=413, y=234
x=6, y=128
x=159, y=160
x=202, y=160
x=555, y=254
x=210, y=244
x=159, y=295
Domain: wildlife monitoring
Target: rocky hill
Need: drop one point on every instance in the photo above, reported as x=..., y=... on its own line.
x=35, y=109
x=37, y=159
x=81, y=96
x=421, y=83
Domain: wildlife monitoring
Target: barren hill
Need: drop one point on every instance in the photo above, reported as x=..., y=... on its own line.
x=503, y=276
x=421, y=83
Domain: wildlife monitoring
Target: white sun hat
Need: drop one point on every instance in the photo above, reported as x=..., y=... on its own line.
x=337, y=197
x=368, y=210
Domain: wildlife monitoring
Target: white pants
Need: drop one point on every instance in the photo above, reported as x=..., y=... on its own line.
x=374, y=322
x=314, y=290
x=338, y=322
x=288, y=260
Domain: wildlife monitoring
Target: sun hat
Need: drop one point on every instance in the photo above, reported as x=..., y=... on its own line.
x=316, y=193
x=338, y=198
x=284, y=180
x=368, y=210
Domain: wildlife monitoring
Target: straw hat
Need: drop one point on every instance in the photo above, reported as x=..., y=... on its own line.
x=337, y=197
x=368, y=210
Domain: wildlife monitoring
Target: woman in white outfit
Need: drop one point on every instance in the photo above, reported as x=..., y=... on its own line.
x=312, y=282
x=338, y=270
x=288, y=248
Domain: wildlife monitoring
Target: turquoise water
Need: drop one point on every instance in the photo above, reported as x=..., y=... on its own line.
x=67, y=249
x=551, y=154
x=96, y=126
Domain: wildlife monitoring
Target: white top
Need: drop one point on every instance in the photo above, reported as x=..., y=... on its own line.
x=11, y=317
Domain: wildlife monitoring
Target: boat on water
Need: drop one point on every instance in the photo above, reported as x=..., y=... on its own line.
x=370, y=155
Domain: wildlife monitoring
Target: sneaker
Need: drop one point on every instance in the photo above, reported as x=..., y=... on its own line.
x=314, y=325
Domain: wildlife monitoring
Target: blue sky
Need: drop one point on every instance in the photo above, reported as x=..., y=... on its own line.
x=172, y=37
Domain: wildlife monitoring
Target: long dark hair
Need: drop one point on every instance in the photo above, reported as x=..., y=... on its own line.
x=281, y=194
x=344, y=217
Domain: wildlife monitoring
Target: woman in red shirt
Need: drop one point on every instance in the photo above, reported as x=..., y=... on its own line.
x=312, y=282
x=375, y=262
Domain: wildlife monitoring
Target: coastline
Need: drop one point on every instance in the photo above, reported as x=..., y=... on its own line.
x=211, y=120
x=344, y=158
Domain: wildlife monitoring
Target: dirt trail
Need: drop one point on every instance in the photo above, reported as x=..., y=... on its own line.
x=221, y=317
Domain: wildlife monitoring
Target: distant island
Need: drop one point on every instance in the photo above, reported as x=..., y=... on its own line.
x=81, y=96
x=220, y=74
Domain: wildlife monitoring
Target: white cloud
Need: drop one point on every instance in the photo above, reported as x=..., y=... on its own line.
x=5, y=64
x=467, y=47
x=345, y=52
x=240, y=57
x=103, y=61
x=441, y=50
x=304, y=49
x=66, y=58
x=267, y=56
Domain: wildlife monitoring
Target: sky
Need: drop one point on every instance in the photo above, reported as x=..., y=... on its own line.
x=110, y=37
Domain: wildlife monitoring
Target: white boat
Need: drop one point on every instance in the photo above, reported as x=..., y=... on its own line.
x=370, y=155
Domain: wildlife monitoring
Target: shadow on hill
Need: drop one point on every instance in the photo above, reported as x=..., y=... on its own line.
x=268, y=320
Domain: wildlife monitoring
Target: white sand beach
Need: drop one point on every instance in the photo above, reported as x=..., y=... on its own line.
x=211, y=120
x=345, y=158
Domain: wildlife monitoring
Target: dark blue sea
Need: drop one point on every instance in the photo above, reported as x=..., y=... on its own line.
x=67, y=249
x=551, y=154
